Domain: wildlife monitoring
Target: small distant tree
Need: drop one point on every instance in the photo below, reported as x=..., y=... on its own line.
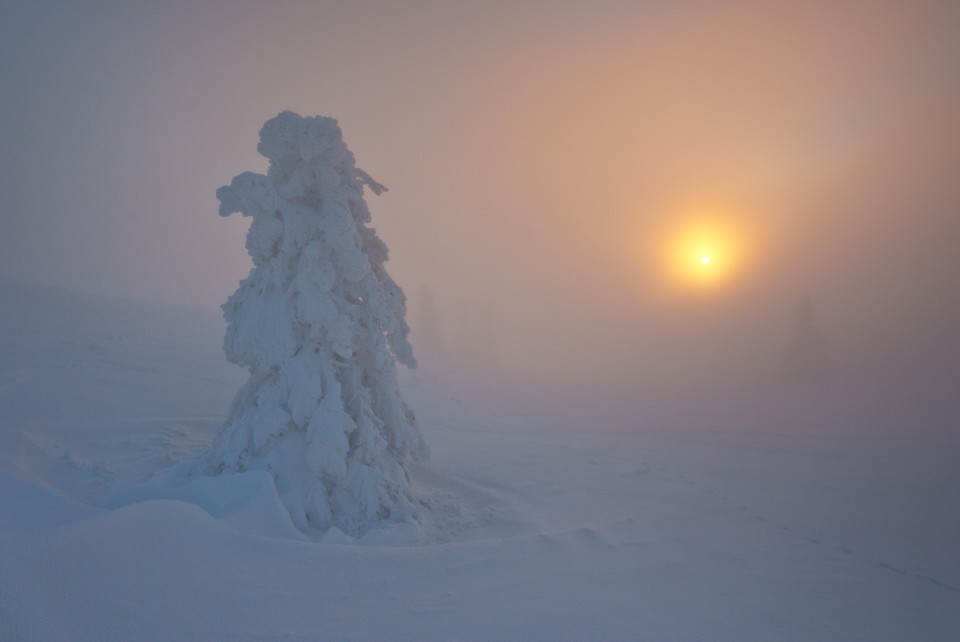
x=319, y=325
x=805, y=357
x=427, y=333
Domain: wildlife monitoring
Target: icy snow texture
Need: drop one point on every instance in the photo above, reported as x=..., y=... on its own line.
x=317, y=323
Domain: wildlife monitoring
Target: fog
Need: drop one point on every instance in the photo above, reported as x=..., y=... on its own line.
x=551, y=166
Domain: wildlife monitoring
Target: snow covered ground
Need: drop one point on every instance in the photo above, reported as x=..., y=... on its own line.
x=557, y=516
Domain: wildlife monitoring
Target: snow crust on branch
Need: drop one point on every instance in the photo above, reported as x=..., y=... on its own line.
x=319, y=324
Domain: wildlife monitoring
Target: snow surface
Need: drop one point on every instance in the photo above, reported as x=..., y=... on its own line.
x=555, y=516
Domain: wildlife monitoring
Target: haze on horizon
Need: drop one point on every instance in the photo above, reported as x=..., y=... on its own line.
x=541, y=158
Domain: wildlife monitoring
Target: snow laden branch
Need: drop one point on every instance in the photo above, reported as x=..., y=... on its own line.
x=319, y=324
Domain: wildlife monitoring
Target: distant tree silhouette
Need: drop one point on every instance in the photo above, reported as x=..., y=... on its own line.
x=427, y=333
x=805, y=358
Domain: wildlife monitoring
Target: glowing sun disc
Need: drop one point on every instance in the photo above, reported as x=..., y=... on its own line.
x=704, y=251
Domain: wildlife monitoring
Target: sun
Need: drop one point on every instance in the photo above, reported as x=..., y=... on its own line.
x=699, y=251
x=702, y=252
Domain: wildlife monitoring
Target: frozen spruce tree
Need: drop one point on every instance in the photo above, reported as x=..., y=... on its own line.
x=319, y=324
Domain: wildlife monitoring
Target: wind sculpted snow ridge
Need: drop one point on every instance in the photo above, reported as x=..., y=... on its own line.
x=319, y=325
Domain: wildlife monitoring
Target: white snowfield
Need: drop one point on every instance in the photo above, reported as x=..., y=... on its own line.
x=551, y=516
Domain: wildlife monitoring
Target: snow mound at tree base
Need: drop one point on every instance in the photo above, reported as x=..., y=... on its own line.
x=157, y=462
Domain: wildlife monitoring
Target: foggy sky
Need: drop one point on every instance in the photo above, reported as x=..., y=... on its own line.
x=539, y=157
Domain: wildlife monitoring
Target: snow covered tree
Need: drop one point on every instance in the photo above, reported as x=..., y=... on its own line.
x=319, y=324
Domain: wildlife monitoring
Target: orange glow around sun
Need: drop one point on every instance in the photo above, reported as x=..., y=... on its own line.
x=703, y=252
